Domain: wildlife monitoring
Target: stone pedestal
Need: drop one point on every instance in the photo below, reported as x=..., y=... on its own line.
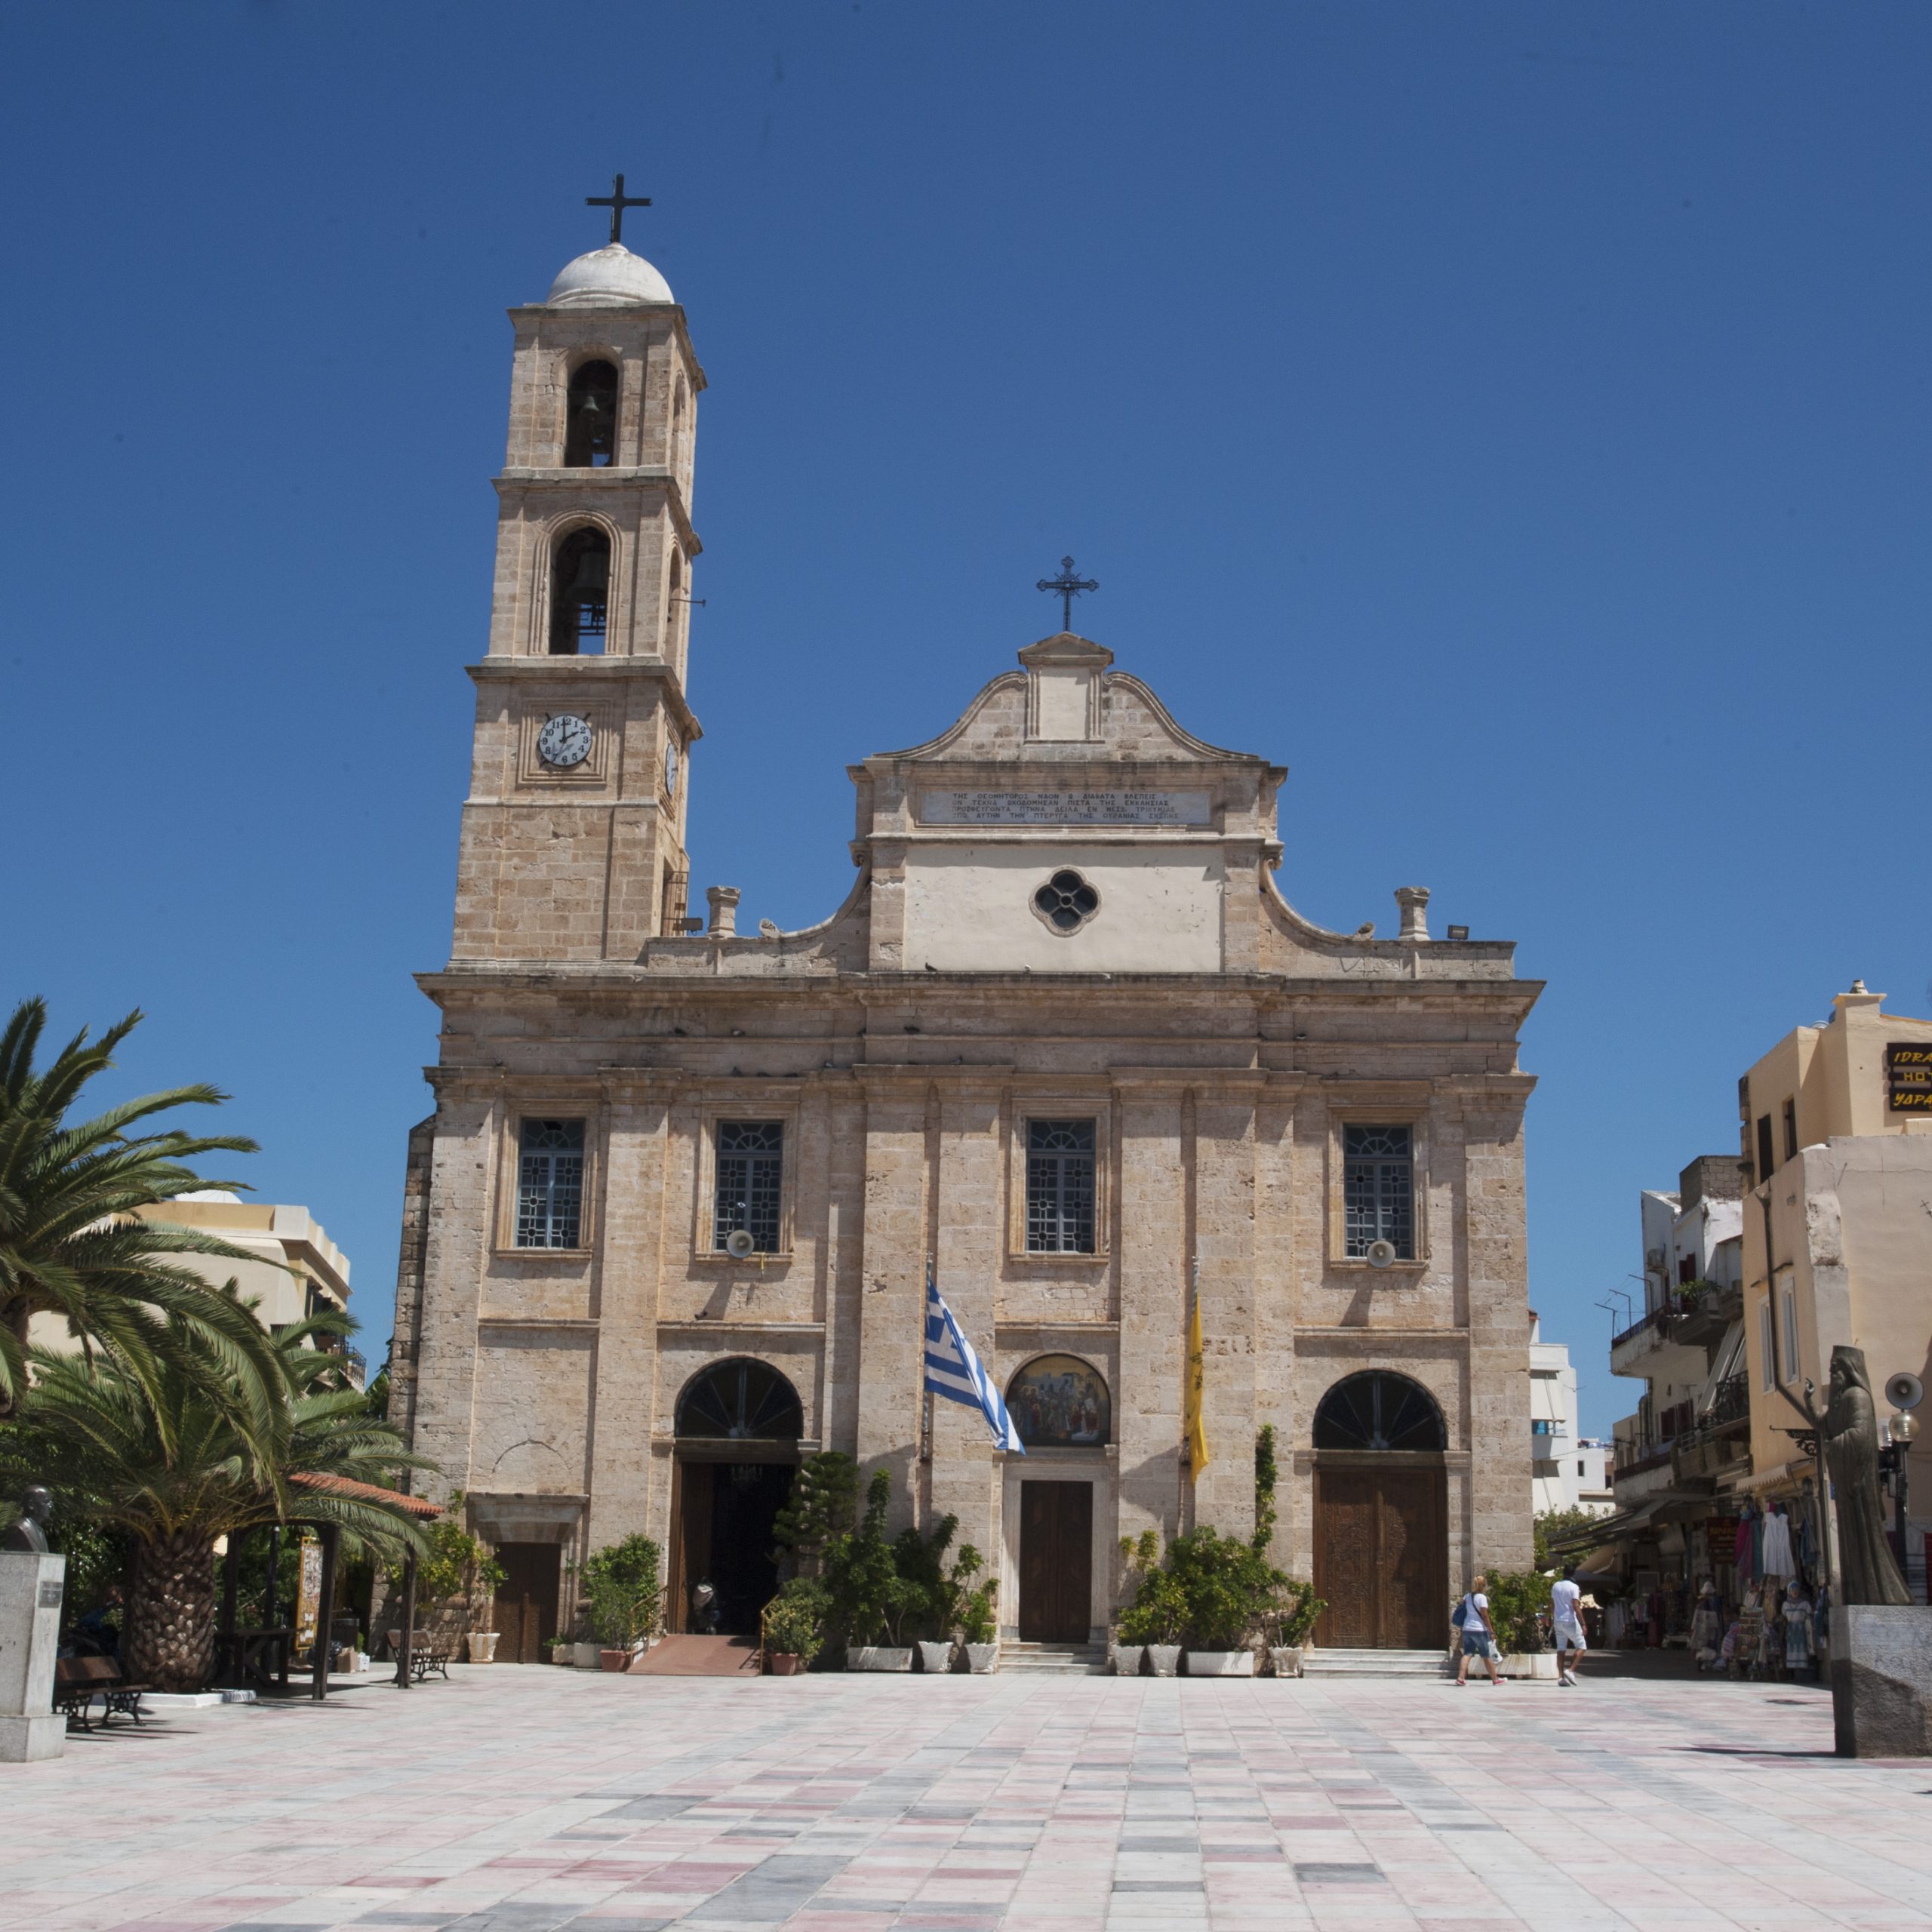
x=1881, y=1680
x=31, y=1586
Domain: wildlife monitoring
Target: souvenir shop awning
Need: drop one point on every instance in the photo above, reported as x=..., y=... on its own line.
x=1603, y=1531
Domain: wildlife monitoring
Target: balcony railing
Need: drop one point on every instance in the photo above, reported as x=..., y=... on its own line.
x=1732, y=1402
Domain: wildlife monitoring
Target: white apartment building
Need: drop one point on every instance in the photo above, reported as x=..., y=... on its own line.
x=1566, y=1471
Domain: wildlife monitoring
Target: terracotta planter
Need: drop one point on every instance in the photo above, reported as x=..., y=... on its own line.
x=785, y=1664
x=1287, y=1659
x=1220, y=1663
x=1164, y=1659
x=935, y=1660
x=614, y=1660
x=981, y=1658
x=879, y=1657
x=482, y=1646
x=1126, y=1659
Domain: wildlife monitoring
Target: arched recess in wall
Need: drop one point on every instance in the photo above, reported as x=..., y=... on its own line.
x=580, y=592
x=590, y=417
x=1061, y=1402
x=739, y=1400
x=1379, y=1409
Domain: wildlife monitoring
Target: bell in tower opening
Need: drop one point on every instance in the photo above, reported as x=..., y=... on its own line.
x=579, y=602
x=590, y=422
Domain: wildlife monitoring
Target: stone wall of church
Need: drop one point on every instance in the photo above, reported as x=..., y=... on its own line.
x=1219, y=1133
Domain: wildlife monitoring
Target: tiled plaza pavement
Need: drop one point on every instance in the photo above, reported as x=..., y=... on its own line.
x=517, y=1800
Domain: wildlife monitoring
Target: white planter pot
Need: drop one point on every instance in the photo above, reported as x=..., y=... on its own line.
x=564, y=1654
x=981, y=1658
x=1126, y=1659
x=879, y=1657
x=482, y=1646
x=584, y=1656
x=1529, y=1663
x=1287, y=1660
x=1164, y=1659
x=935, y=1660
x=1220, y=1663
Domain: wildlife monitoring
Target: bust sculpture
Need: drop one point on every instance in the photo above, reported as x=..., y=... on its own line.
x=1867, y=1573
x=29, y=1533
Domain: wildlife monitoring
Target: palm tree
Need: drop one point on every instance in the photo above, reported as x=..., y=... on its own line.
x=154, y=1457
x=71, y=1244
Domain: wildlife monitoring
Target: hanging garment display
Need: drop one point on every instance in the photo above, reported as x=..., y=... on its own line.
x=1799, y=1649
x=1780, y=1560
x=1747, y=1570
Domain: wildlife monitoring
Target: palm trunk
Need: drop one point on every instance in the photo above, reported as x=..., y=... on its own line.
x=170, y=1643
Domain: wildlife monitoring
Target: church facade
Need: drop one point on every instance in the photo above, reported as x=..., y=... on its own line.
x=1064, y=1045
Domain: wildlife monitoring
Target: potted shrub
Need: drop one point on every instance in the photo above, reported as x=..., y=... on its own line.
x=1151, y=1623
x=621, y=1586
x=977, y=1628
x=871, y=1600
x=1289, y=1626
x=1223, y=1584
x=1516, y=1603
x=794, y=1625
x=458, y=1577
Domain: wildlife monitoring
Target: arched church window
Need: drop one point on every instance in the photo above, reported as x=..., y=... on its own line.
x=741, y=1400
x=580, y=594
x=1378, y=1410
x=1061, y=1402
x=590, y=417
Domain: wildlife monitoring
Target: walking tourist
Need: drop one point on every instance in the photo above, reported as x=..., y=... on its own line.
x=1566, y=1623
x=1471, y=1618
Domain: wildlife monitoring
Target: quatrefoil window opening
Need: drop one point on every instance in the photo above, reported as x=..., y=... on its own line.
x=1066, y=902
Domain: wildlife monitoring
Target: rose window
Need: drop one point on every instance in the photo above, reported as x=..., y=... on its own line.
x=1066, y=902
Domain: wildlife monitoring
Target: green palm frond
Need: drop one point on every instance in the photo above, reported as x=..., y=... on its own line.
x=74, y=1244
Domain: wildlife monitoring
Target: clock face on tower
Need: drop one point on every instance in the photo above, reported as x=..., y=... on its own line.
x=670, y=767
x=564, y=741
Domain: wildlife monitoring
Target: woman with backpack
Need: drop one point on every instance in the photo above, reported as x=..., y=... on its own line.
x=1470, y=1617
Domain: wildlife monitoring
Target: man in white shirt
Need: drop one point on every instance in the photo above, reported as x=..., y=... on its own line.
x=1566, y=1621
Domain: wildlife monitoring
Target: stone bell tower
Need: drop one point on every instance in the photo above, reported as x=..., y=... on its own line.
x=573, y=831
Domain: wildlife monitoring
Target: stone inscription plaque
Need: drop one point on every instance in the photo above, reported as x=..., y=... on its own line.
x=1065, y=808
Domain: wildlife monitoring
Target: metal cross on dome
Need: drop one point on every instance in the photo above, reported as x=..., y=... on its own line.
x=617, y=201
x=1066, y=587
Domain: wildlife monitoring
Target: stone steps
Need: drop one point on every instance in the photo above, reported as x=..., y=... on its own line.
x=1340, y=1662
x=1065, y=1660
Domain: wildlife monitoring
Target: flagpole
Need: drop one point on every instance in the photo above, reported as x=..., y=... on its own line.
x=925, y=1394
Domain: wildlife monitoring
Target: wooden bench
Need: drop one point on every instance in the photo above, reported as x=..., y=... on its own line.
x=78, y=1682
x=425, y=1654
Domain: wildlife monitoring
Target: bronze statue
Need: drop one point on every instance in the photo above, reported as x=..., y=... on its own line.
x=1867, y=1573
x=29, y=1533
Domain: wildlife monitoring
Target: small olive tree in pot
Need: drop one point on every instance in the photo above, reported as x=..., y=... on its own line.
x=621, y=1583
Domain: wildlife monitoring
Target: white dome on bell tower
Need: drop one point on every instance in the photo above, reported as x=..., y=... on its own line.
x=607, y=278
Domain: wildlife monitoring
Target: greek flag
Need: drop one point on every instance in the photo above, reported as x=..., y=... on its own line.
x=953, y=1370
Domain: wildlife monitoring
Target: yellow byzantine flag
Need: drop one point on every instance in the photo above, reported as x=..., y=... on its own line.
x=1196, y=1425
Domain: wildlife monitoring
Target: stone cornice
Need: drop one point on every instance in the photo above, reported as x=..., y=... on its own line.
x=591, y=671
x=521, y=480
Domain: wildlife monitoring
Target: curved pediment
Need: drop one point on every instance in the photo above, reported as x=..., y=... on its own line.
x=1064, y=704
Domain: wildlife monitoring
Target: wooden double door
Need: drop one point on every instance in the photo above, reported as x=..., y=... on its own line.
x=1056, y=1562
x=527, y=1599
x=1382, y=1552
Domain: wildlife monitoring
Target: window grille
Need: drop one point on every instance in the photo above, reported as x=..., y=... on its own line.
x=751, y=1170
x=549, y=1184
x=1378, y=1188
x=1059, y=1186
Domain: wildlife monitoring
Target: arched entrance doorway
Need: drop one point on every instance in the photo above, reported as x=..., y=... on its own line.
x=1381, y=1514
x=1060, y=1406
x=738, y=1425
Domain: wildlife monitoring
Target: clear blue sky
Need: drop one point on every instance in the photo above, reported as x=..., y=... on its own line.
x=1513, y=419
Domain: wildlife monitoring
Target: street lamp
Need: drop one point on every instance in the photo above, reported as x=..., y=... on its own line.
x=1903, y=1428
